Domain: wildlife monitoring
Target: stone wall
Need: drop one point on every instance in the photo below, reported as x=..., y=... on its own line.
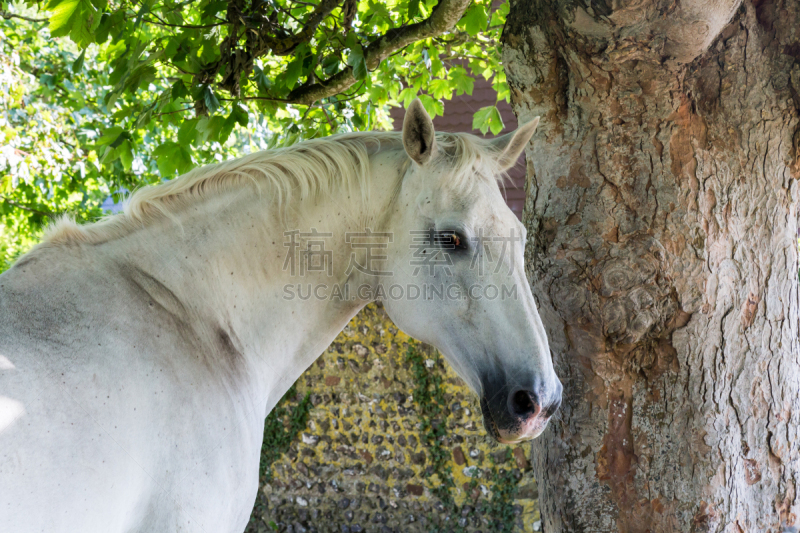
x=372, y=457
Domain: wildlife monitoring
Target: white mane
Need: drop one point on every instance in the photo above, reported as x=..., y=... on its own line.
x=307, y=170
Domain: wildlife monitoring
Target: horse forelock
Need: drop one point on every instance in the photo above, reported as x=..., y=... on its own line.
x=304, y=171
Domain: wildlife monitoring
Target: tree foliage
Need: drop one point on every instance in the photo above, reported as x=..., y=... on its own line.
x=100, y=97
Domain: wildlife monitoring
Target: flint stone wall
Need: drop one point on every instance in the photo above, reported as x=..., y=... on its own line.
x=361, y=464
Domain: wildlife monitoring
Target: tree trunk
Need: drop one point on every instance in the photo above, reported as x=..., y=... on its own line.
x=662, y=216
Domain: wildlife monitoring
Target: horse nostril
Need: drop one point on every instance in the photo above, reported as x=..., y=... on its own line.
x=524, y=403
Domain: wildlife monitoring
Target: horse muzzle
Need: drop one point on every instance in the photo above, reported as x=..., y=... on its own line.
x=521, y=417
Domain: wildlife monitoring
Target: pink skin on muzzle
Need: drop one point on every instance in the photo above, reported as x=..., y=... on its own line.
x=530, y=429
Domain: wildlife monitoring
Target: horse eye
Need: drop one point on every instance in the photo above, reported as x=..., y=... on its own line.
x=452, y=240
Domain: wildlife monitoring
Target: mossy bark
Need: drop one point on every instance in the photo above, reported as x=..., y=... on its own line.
x=662, y=214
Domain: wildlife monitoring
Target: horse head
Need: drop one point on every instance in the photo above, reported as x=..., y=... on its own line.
x=463, y=257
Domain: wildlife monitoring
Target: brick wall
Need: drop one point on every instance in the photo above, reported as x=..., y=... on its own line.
x=362, y=463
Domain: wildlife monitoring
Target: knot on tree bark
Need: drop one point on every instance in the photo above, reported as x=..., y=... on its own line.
x=633, y=296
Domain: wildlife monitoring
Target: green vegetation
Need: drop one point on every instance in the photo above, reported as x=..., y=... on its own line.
x=281, y=428
x=429, y=397
x=100, y=97
x=500, y=508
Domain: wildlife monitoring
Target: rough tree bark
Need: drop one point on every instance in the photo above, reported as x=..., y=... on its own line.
x=662, y=215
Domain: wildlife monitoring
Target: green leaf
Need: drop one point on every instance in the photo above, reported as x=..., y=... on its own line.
x=351, y=41
x=101, y=35
x=407, y=95
x=62, y=13
x=356, y=60
x=209, y=128
x=297, y=66
x=109, y=155
x=499, y=14
x=83, y=34
x=503, y=92
x=140, y=14
x=330, y=65
x=240, y=115
x=226, y=129
x=109, y=136
x=179, y=90
x=379, y=11
x=437, y=68
x=441, y=89
x=488, y=118
x=433, y=107
x=184, y=161
x=475, y=19
x=377, y=94
x=413, y=9
x=209, y=51
x=360, y=69
x=261, y=79
x=479, y=68
x=213, y=8
x=464, y=82
x=76, y=18
x=212, y=104
x=119, y=140
x=125, y=152
x=145, y=116
x=48, y=80
x=308, y=61
x=172, y=46
x=140, y=76
x=111, y=24
x=171, y=157
x=78, y=64
x=172, y=17
x=292, y=73
x=188, y=132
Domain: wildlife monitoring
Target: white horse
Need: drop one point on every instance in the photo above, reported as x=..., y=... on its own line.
x=139, y=356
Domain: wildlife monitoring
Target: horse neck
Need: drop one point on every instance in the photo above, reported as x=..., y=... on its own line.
x=225, y=260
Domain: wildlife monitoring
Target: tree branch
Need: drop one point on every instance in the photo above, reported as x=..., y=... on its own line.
x=285, y=46
x=26, y=208
x=328, y=118
x=187, y=26
x=443, y=18
x=6, y=15
x=181, y=110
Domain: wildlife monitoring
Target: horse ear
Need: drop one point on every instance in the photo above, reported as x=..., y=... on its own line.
x=511, y=145
x=418, y=135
